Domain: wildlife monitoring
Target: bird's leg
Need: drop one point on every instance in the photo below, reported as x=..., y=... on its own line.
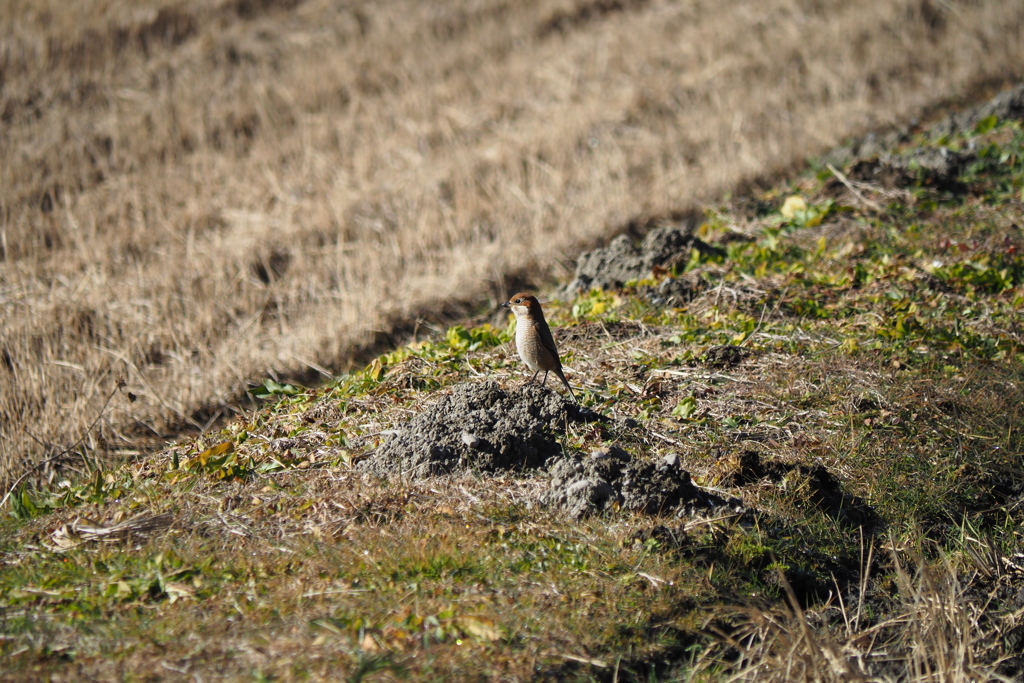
x=545, y=382
x=534, y=378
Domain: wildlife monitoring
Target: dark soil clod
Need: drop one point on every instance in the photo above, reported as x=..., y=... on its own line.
x=581, y=486
x=479, y=427
x=724, y=356
x=621, y=261
x=936, y=168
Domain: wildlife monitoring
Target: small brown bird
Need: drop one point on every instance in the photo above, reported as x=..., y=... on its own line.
x=533, y=339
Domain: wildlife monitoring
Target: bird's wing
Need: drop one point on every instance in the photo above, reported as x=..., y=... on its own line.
x=549, y=343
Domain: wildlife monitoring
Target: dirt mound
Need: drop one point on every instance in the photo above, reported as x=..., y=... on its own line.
x=610, y=476
x=937, y=168
x=1007, y=105
x=621, y=261
x=484, y=428
x=874, y=159
x=481, y=427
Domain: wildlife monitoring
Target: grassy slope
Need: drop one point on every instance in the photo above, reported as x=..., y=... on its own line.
x=197, y=193
x=885, y=345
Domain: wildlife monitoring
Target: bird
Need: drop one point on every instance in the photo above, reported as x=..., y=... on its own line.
x=533, y=339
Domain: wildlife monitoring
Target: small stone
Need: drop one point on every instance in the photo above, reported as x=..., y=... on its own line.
x=613, y=451
x=672, y=460
x=471, y=440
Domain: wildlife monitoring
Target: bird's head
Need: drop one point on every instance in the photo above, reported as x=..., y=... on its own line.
x=523, y=304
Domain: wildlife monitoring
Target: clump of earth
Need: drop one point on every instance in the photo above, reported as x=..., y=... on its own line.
x=1007, y=105
x=479, y=427
x=875, y=160
x=938, y=168
x=621, y=261
x=724, y=356
x=610, y=477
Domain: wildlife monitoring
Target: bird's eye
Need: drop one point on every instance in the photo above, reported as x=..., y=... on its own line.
x=519, y=301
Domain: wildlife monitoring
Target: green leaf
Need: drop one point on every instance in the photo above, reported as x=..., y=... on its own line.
x=686, y=408
x=214, y=452
x=595, y=303
x=986, y=124
x=375, y=370
x=458, y=337
x=21, y=505
x=271, y=388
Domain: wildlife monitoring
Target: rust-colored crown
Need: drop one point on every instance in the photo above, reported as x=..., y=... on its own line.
x=524, y=299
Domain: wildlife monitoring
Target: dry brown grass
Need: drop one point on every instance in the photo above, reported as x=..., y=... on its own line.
x=938, y=635
x=194, y=195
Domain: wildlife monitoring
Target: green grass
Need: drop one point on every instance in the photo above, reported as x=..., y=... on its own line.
x=873, y=426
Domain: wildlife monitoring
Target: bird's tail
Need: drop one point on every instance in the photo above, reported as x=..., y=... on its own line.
x=561, y=376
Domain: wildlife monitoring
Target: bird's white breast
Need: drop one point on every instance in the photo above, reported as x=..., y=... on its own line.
x=527, y=342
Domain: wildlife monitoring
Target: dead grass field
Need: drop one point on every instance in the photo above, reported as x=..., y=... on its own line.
x=198, y=194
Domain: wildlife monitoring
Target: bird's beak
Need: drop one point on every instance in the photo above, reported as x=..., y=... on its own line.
x=506, y=305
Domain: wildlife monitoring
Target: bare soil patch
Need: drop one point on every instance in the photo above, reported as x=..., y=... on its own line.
x=479, y=427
